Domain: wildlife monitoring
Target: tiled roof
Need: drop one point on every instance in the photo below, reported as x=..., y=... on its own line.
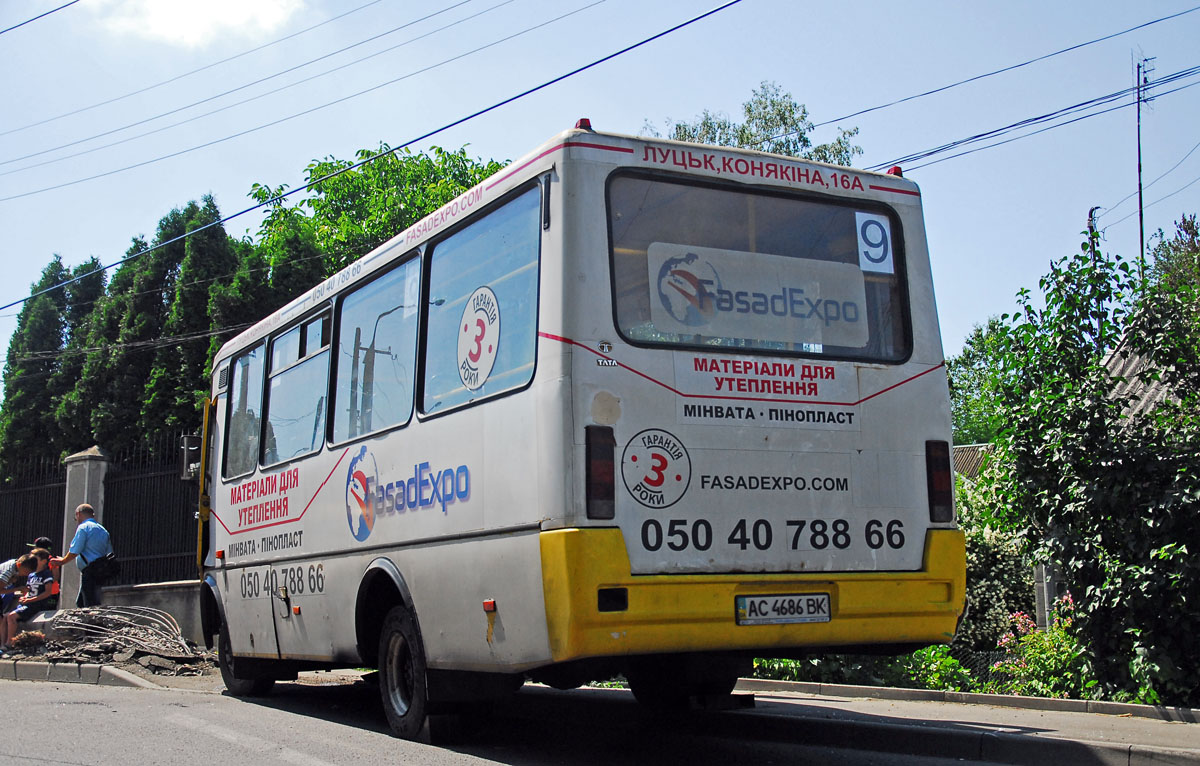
x=1128, y=365
x=969, y=459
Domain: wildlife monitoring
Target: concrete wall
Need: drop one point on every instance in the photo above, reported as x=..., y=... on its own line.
x=180, y=599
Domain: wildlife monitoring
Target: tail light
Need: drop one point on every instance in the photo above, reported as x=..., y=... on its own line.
x=600, y=446
x=940, y=480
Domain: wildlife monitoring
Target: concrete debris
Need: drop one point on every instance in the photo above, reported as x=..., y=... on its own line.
x=115, y=635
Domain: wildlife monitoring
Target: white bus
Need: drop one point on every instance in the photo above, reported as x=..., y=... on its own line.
x=629, y=406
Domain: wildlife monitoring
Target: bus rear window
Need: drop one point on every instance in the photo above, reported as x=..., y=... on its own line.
x=714, y=266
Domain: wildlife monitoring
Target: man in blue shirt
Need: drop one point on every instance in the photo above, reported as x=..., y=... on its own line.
x=91, y=542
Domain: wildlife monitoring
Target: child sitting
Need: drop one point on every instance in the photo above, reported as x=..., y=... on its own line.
x=14, y=575
x=38, y=595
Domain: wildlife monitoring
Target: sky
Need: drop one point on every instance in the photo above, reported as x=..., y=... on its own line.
x=80, y=102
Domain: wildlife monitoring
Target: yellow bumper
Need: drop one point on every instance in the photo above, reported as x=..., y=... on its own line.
x=682, y=613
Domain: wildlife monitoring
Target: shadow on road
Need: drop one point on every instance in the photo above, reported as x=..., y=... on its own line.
x=542, y=726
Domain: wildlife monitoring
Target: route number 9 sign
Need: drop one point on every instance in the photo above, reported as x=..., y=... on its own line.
x=874, y=243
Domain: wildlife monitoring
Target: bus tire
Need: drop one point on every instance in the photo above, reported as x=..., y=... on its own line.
x=402, y=685
x=238, y=687
x=671, y=683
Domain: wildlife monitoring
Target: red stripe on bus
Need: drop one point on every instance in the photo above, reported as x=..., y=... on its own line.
x=873, y=187
x=554, y=149
x=289, y=521
x=677, y=392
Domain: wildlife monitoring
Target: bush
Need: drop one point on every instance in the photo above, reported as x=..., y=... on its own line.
x=856, y=669
x=934, y=668
x=928, y=668
x=999, y=574
x=1042, y=663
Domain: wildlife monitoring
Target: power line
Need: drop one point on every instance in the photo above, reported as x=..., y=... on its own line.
x=1040, y=119
x=242, y=87
x=176, y=78
x=304, y=112
x=178, y=285
x=1152, y=204
x=1133, y=194
x=41, y=16
x=149, y=344
x=982, y=76
x=1052, y=127
x=238, y=103
x=376, y=156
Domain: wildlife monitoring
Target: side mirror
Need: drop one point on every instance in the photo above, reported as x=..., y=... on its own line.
x=189, y=457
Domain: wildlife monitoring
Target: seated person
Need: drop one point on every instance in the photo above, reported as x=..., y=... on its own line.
x=39, y=596
x=14, y=576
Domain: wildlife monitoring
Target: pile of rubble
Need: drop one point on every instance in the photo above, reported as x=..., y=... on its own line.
x=116, y=635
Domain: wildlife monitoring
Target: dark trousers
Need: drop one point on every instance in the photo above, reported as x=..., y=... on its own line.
x=89, y=589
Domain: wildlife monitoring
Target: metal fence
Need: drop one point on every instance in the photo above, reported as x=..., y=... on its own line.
x=31, y=506
x=151, y=514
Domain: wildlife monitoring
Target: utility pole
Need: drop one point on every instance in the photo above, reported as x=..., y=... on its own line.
x=1093, y=238
x=1142, y=78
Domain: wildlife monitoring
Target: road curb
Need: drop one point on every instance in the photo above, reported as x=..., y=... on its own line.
x=942, y=741
x=110, y=676
x=1156, y=712
x=71, y=673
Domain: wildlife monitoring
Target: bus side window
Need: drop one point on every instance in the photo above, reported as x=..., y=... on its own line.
x=481, y=333
x=245, y=402
x=298, y=378
x=376, y=350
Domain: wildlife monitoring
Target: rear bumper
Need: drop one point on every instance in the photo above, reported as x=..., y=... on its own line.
x=694, y=613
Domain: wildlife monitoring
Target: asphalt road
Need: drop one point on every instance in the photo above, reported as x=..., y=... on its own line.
x=53, y=723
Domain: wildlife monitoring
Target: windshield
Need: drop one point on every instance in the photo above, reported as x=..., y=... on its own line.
x=712, y=266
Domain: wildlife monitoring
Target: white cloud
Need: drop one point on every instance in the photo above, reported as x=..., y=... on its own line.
x=195, y=23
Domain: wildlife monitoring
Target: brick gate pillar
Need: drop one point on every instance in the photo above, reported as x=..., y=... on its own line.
x=85, y=484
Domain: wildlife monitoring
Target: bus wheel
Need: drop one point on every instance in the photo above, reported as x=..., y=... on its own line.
x=238, y=687
x=402, y=673
x=670, y=683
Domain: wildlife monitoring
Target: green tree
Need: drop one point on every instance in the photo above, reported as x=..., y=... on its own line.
x=1106, y=481
x=120, y=370
x=27, y=414
x=174, y=391
x=973, y=408
x=1177, y=260
x=78, y=408
x=83, y=297
x=773, y=122
x=358, y=210
x=287, y=242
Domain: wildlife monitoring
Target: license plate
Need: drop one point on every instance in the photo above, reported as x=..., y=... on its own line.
x=775, y=610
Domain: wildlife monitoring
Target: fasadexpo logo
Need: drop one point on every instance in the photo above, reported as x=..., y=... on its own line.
x=360, y=512
x=370, y=499
x=684, y=284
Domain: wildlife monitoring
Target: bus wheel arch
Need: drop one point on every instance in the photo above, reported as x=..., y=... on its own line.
x=212, y=621
x=212, y=616
x=382, y=587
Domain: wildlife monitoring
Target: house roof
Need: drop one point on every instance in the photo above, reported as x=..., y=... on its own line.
x=1145, y=395
x=969, y=459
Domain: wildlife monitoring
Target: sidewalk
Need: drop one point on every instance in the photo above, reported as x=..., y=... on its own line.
x=976, y=727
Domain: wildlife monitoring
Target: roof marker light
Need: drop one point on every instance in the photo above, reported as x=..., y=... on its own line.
x=583, y=124
x=895, y=170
